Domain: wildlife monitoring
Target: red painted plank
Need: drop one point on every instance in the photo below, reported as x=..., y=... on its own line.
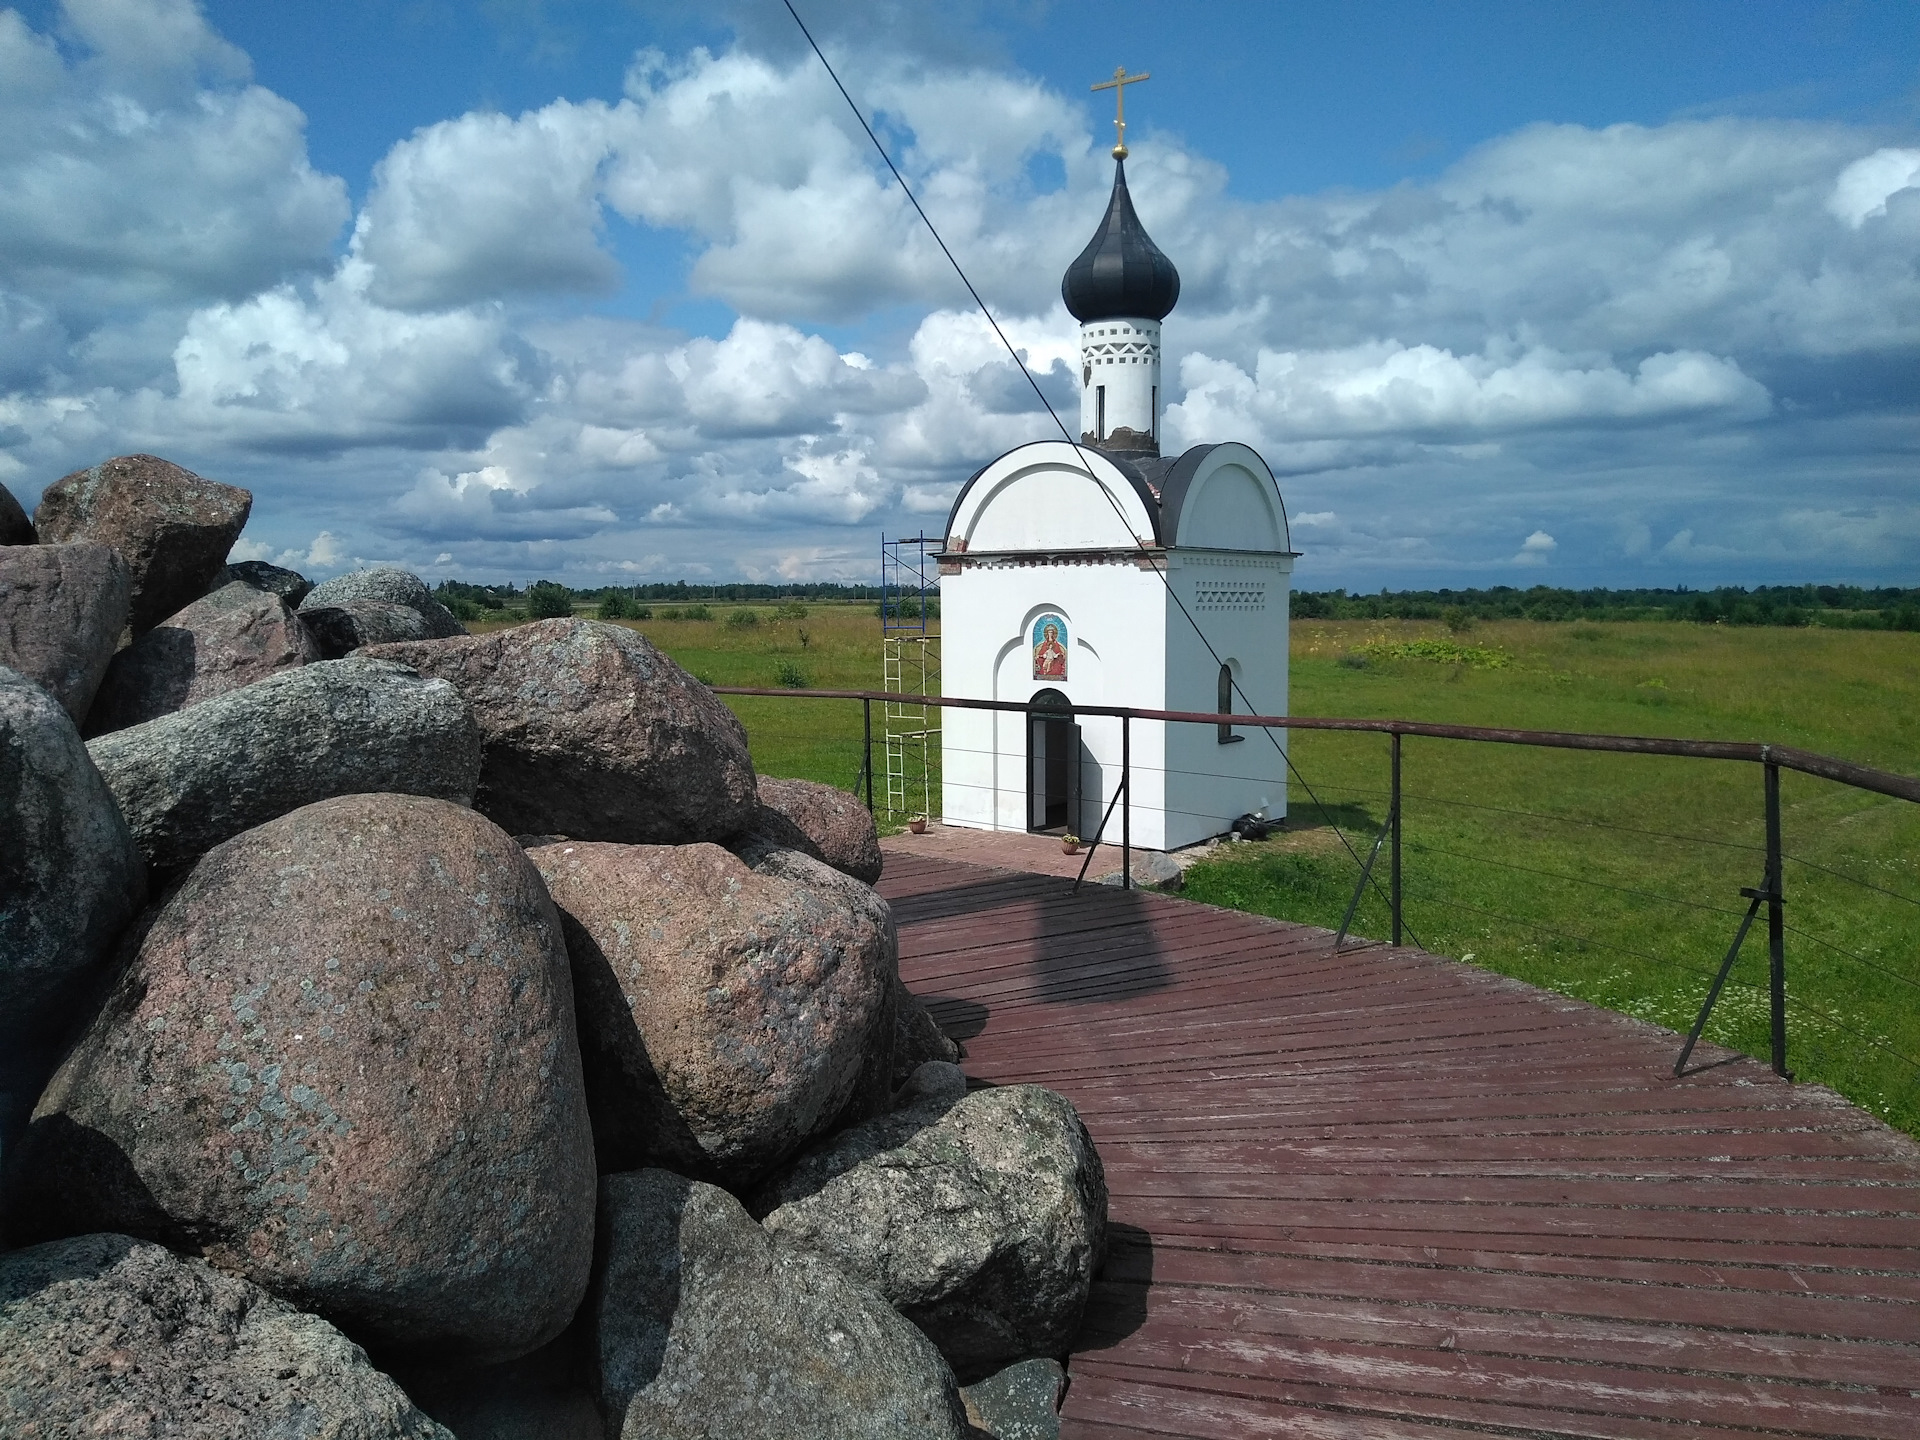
x=1709, y=1122
x=1198, y=1404
x=1444, y=1238
x=1788, y=1269
x=1775, y=1313
x=1488, y=1221
x=1663, y=1342
x=1822, y=1153
x=1757, y=1197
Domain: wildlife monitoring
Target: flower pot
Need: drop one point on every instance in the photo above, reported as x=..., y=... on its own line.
x=1072, y=847
x=917, y=825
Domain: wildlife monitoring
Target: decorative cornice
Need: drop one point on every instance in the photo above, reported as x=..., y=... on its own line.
x=953, y=562
x=957, y=557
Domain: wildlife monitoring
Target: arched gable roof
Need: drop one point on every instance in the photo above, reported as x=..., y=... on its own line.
x=1047, y=495
x=1166, y=502
x=1185, y=502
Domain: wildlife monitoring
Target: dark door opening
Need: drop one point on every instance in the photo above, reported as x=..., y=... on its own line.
x=1053, y=764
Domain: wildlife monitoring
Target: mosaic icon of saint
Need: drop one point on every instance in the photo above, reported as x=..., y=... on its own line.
x=1049, y=648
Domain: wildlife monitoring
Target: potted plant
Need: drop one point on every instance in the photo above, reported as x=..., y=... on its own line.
x=918, y=824
x=1070, y=843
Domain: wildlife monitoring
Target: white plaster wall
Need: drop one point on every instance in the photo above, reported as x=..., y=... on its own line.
x=1124, y=356
x=1115, y=614
x=1240, y=599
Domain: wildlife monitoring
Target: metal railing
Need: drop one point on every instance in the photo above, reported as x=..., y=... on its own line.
x=1770, y=892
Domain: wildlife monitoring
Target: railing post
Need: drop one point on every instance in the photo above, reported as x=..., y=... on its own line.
x=1126, y=802
x=866, y=722
x=1753, y=897
x=1360, y=886
x=1394, y=815
x=1776, y=926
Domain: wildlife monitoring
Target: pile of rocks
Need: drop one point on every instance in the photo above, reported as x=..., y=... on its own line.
x=411, y=1033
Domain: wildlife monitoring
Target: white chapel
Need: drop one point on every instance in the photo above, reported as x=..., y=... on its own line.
x=1059, y=573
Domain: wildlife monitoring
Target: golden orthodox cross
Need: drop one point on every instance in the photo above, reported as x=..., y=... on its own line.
x=1118, y=84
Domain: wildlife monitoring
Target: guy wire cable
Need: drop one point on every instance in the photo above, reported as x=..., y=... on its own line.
x=1066, y=435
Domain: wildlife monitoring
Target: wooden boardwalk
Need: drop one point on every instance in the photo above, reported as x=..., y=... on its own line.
x=1385, y=1195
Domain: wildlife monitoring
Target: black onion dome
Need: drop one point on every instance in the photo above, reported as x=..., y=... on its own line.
x=1121, y=274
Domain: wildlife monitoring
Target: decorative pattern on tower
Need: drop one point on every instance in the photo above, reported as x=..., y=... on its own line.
x=1120, y=289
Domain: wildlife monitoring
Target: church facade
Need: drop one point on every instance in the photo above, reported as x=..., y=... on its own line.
x=1108, y=574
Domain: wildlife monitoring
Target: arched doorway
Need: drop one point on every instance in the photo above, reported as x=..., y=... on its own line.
x=1053, y=763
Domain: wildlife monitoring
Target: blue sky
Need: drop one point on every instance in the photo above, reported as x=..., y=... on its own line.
x=1507, y=293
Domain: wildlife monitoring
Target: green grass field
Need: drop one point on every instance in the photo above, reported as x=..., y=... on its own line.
x=1614, y=878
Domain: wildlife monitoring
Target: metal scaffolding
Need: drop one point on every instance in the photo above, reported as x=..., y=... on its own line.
x=910, y=669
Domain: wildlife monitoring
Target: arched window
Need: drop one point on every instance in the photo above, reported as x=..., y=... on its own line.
x=1224, y=705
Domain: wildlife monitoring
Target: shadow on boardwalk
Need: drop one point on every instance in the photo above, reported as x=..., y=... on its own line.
x=1069, y=950
x=1384, y=1195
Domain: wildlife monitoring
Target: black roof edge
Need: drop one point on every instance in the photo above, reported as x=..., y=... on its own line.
x=1173, y=489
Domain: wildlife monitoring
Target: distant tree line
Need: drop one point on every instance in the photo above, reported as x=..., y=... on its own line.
x=493, y=597
x=665, y=600
x=676, y=590
x=1843, y=606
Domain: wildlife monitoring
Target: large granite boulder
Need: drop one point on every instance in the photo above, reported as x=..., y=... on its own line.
x=229, y=638
x=340, y=630
x=172, y=527
x=15, y=527
x=591, y=732
x=189, y=780
x=342, y=1064
x=726, y=1015
x=290, y=585
x=104, y=1335
x=62, y=608
x=385, y=585
x=70, y=882
x=917, y=1037
x=704, y=1329
x=873, y=1090
x=981, y=1217
x=836, y=825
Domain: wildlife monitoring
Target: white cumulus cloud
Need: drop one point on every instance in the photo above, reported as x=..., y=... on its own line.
x=1420, y=390
x=147, y=171
x=484, y=206
x=324, y=367
x=1535, y=549
x=1865, y=186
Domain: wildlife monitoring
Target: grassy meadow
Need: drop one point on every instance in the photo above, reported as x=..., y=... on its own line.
x=1614, y=878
